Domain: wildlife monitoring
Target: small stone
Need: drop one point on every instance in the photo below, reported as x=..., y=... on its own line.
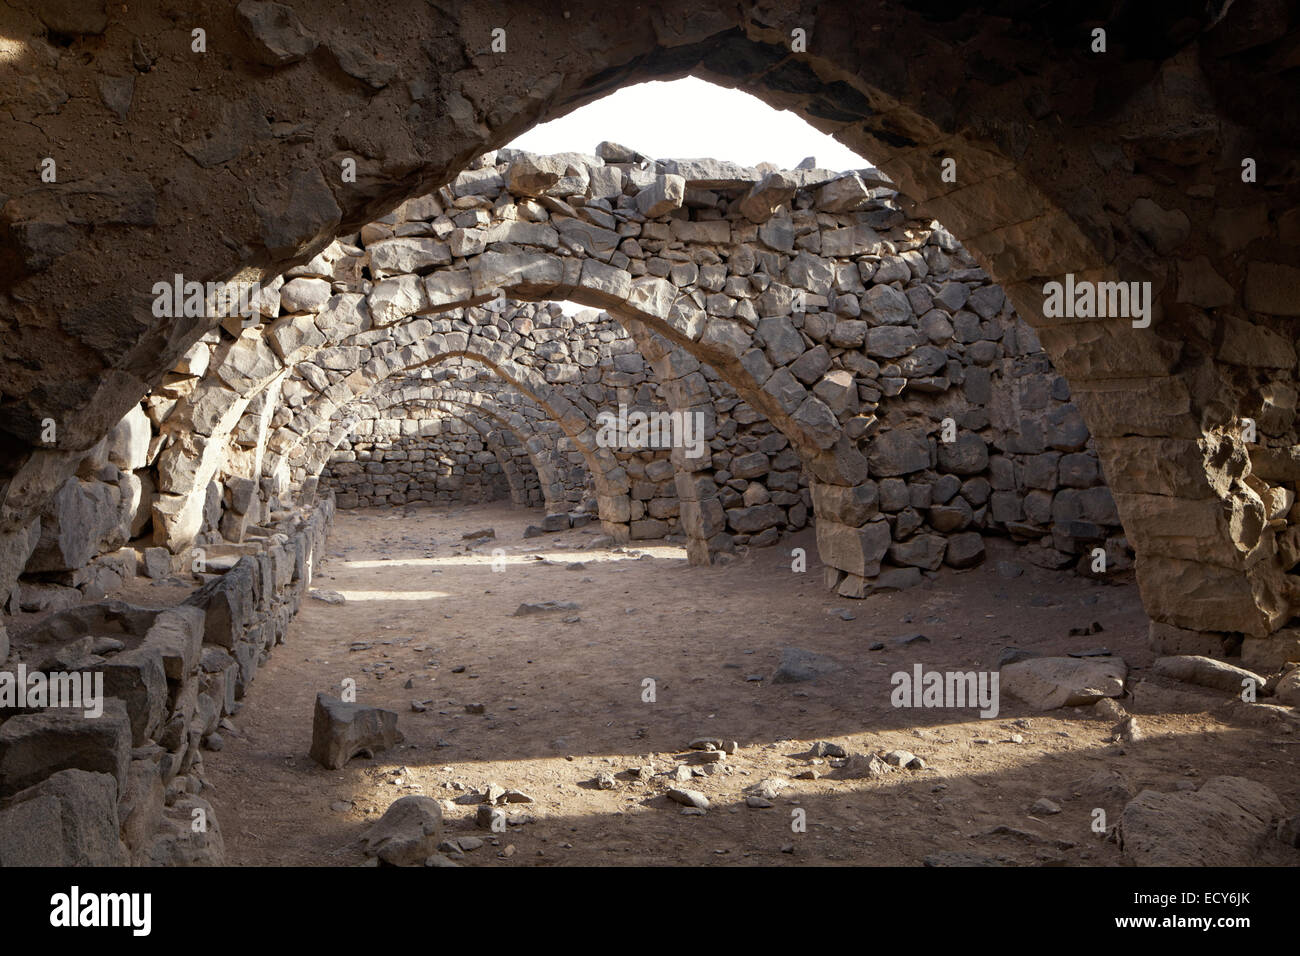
x=543, y=607
x=1044, y=807
x=692, y=798
x=1109, y=709
x=486, y=814
x=905, y=759
x=758, y=803
x=824, y=748
x=770, y=787
x=1127, y=730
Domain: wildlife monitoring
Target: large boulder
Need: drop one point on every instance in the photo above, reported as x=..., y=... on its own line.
x=407, y=834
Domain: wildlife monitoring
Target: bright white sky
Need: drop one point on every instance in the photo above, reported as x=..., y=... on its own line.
x=691, y=119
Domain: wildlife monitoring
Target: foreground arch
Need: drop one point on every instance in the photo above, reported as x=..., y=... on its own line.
x=1150, y=130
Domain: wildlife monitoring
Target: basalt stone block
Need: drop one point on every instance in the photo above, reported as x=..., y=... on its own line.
x=900, y=452
x=852, y=506
x=1271, y=652
x=36, y=746
x=923, y=551
x=1224, y=823
x=755, y=519
x=177, y=634
x=952, y=517
x=1167, y=639
x=342, y=730
x=965, y=550
x=228, y=602
x=136, y=678
x=856, y=550
x=69, y=819
x=1207, y=672
x=968, y=455
x=177, y=843
x=558, y=521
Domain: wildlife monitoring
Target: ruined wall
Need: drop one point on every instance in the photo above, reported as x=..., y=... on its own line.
x=132, y=777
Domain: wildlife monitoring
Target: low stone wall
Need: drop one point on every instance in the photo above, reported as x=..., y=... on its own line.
x=126, y=787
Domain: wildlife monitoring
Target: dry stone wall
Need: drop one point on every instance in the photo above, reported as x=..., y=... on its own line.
x=414, y=453
x=124, y=787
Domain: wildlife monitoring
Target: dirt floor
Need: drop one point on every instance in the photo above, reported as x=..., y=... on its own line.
x=427, y=622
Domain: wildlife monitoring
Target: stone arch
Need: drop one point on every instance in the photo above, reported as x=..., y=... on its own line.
x=527, y=434
x=1146, y=397
x=609, y=479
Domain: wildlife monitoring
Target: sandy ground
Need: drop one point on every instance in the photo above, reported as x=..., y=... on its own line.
x=562, y=694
